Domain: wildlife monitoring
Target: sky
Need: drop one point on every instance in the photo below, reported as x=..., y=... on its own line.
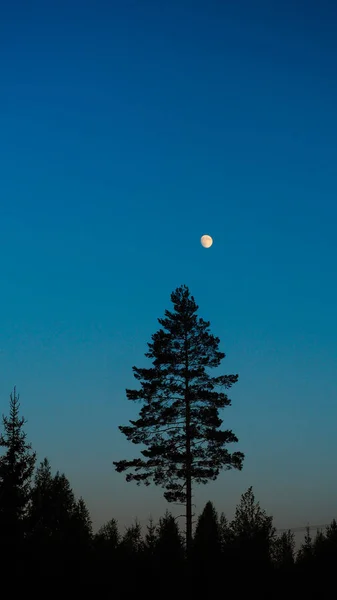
x=128, y=130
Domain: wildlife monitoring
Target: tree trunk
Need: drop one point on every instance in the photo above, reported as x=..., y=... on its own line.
x=188, y=459
x=188, y=497
x=188, y=479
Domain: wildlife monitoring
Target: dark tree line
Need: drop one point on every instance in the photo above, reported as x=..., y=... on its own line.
x=46, y=535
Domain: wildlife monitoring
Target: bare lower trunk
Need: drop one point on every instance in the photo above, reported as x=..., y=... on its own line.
x=188, y=456
x=188, y=513
x=188, y=481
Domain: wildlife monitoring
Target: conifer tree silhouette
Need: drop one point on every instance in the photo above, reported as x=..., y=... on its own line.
x=16, y=471
x=179, y=423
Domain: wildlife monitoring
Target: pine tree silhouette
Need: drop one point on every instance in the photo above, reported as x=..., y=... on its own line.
x=16, y=471
x=179, y=422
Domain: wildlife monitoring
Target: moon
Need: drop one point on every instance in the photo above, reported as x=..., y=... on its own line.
x=206, y=241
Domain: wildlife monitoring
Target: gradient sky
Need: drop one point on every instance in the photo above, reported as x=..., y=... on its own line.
x=128, y=130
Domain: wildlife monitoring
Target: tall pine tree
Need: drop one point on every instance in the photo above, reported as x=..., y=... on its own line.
x=16, y=471
x=179, y=422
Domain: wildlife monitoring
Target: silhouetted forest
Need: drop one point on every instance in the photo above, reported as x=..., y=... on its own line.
x=47, y=542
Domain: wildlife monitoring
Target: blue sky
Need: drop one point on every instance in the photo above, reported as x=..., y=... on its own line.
x=128, y=130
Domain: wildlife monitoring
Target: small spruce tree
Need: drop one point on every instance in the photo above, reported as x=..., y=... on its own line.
x=253, y=531
x=207, y=537
x=284, y=550
x=151, y=538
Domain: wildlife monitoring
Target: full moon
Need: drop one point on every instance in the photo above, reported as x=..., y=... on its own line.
x=206, y=241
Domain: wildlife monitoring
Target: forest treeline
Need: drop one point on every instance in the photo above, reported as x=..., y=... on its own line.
x=47, y=540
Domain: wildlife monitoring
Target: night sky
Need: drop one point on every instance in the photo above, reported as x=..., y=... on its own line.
x=128, y=130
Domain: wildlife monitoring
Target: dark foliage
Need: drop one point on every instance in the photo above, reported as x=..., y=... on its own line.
x=207, y=537
x=179, y=422
x=16, y=470
x=49, y=543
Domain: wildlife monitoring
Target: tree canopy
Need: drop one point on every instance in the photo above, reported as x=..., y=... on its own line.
x=179, y=423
